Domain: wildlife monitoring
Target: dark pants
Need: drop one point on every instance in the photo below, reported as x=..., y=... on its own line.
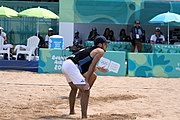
x=138, y=44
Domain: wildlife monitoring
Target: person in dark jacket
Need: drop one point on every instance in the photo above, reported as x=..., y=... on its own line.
x=137, y=35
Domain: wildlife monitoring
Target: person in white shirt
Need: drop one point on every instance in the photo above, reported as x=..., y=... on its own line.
x=157, y=38
x=50, y=33
x=3, y=34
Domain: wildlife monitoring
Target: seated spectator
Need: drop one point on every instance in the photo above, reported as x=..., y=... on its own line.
x=3, y=34
x=106, y=33
x=157, y=38
x=50, y=33
x=77, y=43
x=122, y=36
x=111, y=35
x=77, y=40
x=93, y=34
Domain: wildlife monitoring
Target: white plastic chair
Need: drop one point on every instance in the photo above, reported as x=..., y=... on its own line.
x=5, y=48
x=32, y=44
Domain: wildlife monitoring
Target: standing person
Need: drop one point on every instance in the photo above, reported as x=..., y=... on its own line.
x=136, y=34
x=79, y=70
x=50, y=33
x=157, y=38
x=3, y=34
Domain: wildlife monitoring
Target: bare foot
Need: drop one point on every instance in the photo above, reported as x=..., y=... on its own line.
x=72, y=113
x=84, y=117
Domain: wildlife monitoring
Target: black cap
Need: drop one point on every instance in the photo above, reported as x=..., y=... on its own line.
x=100, y=39
x=76, y=32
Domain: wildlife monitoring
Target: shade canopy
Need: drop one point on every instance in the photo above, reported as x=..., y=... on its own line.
x=7, y=12
x=38, y=13
x=167, y=17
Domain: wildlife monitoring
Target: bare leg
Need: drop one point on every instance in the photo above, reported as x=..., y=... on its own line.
x=85, y=96
x=92, y=79
x=84, y=102
x=72, y=97
x=91, y=82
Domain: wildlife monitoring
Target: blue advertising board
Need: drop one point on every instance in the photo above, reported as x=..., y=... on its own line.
x=50, y=61
x=154, y=65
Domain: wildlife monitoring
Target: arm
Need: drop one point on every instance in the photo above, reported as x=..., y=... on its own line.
x=152, y=39
x=46, y=38
x=101, y=69
x=4, y=36
x=131, y=33
x=163, y=39
x=98, y=54
x=90, y=35
x=5, y=40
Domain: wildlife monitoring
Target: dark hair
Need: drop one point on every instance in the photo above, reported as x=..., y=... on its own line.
x=107, y=29
x=122, y=30
x=112, y=33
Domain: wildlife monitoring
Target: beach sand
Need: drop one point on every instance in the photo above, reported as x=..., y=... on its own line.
x=33, y=96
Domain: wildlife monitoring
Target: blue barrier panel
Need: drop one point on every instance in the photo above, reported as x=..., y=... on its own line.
x=19, y=65
x=123, y=46
x=50, y=61
x=154, y=64
x=161, y=48
x=114, y=61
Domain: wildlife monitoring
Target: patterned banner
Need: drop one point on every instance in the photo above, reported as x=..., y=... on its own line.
x=160, y=48
x=114, y=61
x=114, y=11
x=50, y=60
x=154, y=65
x=123, y=46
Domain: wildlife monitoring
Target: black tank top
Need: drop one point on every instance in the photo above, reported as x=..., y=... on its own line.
x=83, y=59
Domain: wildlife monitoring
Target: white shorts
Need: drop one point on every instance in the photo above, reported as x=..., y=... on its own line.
x=72, y=73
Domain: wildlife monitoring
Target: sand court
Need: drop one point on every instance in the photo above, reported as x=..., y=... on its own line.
x=33, y=96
